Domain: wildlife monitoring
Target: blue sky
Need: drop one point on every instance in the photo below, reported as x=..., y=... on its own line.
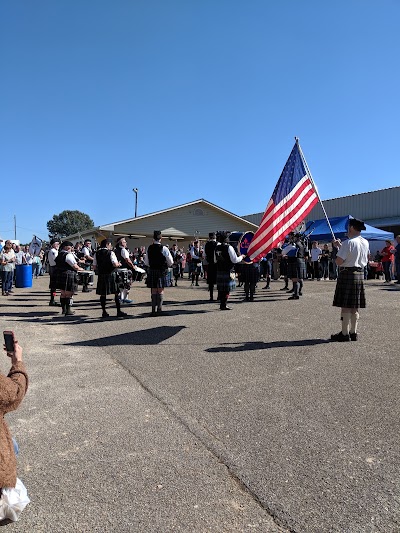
x=188, y=99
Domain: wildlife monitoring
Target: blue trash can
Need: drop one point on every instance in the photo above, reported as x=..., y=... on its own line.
x=23, y=276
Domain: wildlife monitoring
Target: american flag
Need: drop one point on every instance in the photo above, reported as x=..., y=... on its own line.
x=293, y=198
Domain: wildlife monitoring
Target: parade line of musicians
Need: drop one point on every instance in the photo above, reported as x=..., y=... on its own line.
x=220, y=265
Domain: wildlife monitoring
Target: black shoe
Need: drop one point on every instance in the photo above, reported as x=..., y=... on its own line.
x=251, y=299
x=226, y=308
x=353, y=336
x=153, y=313
x=105, y=314
x=300, y=293
x=121, y=314
x=339, y=337
x=284, y=288
x=68, y=311
x=266, y=287
x=159, y=312
x=85, y=289
x=55, y=304
x=211, y=299
x=294, y=297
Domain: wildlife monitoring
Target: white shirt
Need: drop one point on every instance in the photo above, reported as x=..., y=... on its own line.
x=51, y=256
x=233, y=256
x=70, y=259
x=354, y=252
x=86, y=252
x=315, y=253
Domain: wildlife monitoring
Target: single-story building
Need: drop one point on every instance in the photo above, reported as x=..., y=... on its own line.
x=181, y=224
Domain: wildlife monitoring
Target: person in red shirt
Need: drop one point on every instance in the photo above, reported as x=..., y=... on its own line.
x=387, y=260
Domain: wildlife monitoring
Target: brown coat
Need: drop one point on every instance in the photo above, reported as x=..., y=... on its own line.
x=12, y=391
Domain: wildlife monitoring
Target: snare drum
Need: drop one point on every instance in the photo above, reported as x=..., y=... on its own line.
x=123, y=277
x=85, y=277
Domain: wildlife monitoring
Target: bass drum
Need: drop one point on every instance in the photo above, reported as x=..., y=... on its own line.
x=244, y=243
x=234, y=239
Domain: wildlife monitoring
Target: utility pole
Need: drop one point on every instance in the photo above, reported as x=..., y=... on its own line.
x=136, y=195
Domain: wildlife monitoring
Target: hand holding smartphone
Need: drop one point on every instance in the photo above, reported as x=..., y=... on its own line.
x=9, y=341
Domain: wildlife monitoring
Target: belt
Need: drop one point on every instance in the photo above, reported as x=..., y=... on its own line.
x=353, y=269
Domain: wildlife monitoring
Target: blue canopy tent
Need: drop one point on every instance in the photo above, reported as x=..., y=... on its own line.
x=318, y=230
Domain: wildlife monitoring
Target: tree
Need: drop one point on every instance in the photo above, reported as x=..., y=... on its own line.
x=68, y=223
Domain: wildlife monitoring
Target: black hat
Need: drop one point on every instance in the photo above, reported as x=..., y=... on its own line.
x=66, y=243
x=211, y=235
x=104, y=242
x=358, y=225
x=157, y=235
x=222, y=236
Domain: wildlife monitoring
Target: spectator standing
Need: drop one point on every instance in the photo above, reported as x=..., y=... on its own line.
x=7, y=260
x=315, y=259
x=397, y=259
x=387, y=254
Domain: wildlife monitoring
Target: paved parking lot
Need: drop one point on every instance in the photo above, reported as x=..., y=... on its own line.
x=202, y=420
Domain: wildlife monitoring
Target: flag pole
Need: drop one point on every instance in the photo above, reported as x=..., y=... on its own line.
x=313, y=183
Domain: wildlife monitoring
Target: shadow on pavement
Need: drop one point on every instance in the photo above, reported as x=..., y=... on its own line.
x=143, y=337
x=248, y=346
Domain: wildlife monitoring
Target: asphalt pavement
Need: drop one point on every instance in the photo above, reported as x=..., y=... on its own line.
x=208, y=421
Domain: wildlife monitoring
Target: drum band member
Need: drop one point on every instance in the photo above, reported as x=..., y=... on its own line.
x=195, y=263
x=226, y=259
x=65, y=276
x=87, y=254
x=296, y=265
x=122, y=253
x=105, y=262
x=209, y=250
x=51, y=258
x=177, y=265
x=158, y=259
x=352, y=257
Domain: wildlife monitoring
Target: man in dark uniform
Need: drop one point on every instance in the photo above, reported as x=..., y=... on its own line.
x=195, y=263
x=209, y=250
x=51, y=259
x=105, y=261
x=86, y=252
x=65, y=275
x=296, y=265
x=352, y=257
x=226, y=259
x=158, y=259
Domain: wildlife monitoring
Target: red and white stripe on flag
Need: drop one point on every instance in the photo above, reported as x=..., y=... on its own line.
x=279, y=220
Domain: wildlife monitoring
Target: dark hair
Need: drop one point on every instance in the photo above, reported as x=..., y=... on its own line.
x=157, y=235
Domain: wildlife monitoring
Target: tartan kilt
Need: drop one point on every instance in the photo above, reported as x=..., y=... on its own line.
x=176, y=270
x=224, y=282
x=211, y=274
x=158, y=279
x=283, y=267
x=107, y=284
x=350, y=290
x=66, y=280
x=249, y=273
x=194, y=267
x=52, y=272
x=297, y=269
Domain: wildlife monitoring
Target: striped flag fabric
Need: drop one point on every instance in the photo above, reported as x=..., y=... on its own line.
x=293, y=198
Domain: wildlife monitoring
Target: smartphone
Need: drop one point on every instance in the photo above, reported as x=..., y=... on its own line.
x=9, y=340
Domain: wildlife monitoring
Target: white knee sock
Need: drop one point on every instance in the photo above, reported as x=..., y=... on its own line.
x=346, y=323
x=354, y=322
